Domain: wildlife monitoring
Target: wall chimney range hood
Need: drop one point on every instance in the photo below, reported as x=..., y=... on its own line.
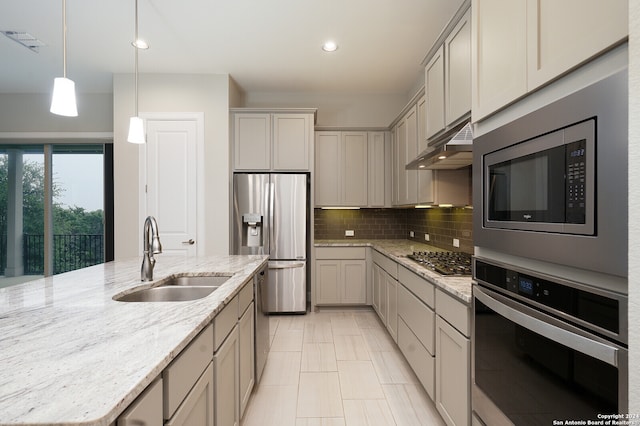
x=453, y=150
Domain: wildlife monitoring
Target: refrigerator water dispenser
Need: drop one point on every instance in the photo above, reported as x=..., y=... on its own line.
x=252, y=230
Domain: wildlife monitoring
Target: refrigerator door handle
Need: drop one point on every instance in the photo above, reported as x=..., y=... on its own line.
x=272, y=195
x=286, y=265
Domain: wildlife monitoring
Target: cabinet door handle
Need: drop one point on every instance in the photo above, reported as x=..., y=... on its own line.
x=190, y=242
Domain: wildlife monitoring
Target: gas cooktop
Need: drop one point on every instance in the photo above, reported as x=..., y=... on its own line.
x=443, y=262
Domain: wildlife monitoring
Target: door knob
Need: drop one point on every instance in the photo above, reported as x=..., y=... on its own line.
x=190, y=242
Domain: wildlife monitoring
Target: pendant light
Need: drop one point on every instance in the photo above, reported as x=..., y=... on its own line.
x=136, y=125
x=63, y=101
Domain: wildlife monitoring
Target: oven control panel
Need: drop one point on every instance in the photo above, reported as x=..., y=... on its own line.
x=597, y=309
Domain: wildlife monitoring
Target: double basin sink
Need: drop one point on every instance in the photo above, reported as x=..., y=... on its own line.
x=176, y=289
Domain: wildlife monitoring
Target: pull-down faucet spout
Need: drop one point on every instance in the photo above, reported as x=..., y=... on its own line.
x=149, y=249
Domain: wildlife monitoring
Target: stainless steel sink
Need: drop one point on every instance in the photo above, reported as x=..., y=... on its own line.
x=201, y=281
x=176, y=289
x=167, y=294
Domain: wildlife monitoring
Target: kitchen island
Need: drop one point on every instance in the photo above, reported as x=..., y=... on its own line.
x=71, y=355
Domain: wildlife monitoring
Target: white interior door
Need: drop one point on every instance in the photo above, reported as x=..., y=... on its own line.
x=171, y=182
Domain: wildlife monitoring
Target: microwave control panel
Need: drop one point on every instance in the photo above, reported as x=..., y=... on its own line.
x=575, y=181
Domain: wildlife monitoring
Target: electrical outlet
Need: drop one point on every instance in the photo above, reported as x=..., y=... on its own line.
x=349, y=233
x=411, y=234
x=456, y=242
x=426, y=237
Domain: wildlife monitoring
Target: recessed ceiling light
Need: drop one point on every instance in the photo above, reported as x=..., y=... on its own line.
x=140, y=44
x=329, y=46
x=442, y=157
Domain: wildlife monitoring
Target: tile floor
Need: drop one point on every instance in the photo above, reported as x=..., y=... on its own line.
x=337, y=368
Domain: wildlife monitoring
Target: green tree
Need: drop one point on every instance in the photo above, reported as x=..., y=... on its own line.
x=66, y=220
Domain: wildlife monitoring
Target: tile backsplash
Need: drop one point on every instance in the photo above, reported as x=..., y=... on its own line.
x=442, y=225
x=382, y=224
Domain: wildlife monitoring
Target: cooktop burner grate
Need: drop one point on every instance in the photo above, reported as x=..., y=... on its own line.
x=443, y=262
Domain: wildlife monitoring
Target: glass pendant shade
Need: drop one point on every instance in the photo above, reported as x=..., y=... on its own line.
x=63, y=101
x=136, y=130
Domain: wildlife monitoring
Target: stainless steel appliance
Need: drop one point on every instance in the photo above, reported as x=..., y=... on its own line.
x=552, y=185
x=545, y=349
x=271, y=217
x=443, y=262
x=261, y=315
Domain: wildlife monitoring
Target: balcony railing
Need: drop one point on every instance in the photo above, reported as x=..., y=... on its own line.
x=70, y=252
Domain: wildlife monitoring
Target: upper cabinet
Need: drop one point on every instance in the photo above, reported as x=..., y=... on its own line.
x=521, y=45
x=350, y=168
x=278, y=141
x=448, y=79
x=405, y=149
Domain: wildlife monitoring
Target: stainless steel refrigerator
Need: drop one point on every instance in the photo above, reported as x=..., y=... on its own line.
x=270, y=216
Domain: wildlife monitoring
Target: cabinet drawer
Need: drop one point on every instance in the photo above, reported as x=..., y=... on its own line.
x=418, y=317
x=146, y=409
x=454, y=312
x=418, y=286
x=224, y=322
x=421, y=361
x=178, y=378
x=341, y=253
x=385, y=263
x=245, y=297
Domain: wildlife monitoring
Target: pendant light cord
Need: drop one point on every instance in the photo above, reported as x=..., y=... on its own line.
x=136, y=60
x=64, y=38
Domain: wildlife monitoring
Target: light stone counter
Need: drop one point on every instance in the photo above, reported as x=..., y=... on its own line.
x=71, y=355
x=397, y=250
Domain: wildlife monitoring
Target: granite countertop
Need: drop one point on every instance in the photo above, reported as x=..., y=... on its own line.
x=457, y=286
x=71, y=355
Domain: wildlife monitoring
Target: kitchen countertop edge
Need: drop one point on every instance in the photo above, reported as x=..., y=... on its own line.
x=180, y=332
x=396, y=250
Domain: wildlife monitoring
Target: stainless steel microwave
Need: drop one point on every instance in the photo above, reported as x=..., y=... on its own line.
x=543, y=184
x=552, y=185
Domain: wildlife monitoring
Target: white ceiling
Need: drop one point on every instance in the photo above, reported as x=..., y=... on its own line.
x=265, y=45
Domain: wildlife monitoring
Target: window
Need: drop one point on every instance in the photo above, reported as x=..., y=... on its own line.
x=56, y=209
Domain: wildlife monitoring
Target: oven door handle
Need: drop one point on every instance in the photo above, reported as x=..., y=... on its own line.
x=595, y=349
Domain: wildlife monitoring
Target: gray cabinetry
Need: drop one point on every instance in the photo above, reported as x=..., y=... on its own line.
x=385, y=292
x=146, y=409
x=209, y=383
x=340, y=276
x=341, y=169
x=453, y=360
x=266, y=140
x=521, y=45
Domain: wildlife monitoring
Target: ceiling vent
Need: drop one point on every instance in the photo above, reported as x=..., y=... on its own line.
x=25, y=39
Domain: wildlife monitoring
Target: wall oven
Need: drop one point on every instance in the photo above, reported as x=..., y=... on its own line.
x=552, y=185
x=545, y=349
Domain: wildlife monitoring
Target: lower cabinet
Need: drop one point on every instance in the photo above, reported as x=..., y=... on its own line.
x=421, y=361
x=146, y=409
x=392, y=306
x=385, y=292
x=197, y=407
x=453, y=374
x=246, y=345
x=341, y=276
x=226, y=386
x=209, y=383
x=416, y=336
x=453, y=360
x=185, y=372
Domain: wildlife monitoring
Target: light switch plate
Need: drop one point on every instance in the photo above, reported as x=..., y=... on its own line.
x=456, y=242
x=411, y=234
x=349, y=233
x=426, y=237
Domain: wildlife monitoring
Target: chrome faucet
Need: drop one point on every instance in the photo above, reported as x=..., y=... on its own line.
x=148, y=261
